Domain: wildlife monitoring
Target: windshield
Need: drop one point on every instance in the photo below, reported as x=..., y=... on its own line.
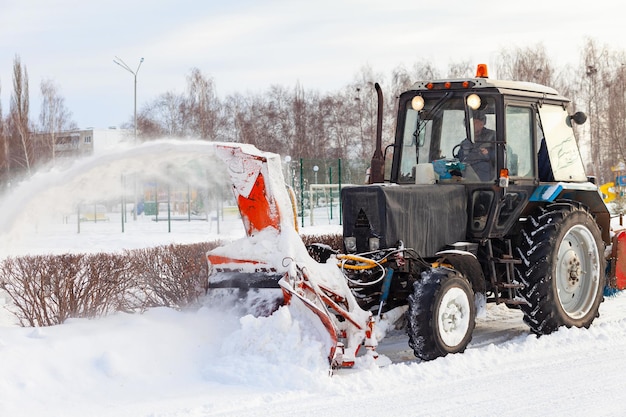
x=437, y=135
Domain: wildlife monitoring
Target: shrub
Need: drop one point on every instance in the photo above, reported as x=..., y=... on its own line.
x=48, y=289
x=172, y=276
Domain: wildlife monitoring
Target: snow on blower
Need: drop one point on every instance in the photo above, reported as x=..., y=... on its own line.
x=482, y=197
x=272, y=266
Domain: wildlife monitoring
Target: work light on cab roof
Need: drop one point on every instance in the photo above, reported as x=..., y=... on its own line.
x=473, y=100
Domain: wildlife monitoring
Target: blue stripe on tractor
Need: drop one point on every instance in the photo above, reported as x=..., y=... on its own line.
x=546, y=193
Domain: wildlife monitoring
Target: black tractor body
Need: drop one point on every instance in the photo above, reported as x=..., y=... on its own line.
x=483, y=181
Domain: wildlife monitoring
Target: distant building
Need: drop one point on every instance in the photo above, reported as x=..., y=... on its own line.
x=77, y=143
x=90, y=141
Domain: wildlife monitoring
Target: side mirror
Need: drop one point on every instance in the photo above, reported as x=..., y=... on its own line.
x=579, y=118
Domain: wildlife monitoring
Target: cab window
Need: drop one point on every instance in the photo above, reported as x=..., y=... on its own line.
x=519, y=141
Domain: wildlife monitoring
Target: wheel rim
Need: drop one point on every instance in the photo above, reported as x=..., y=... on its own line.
x=578, y=271
x=454, y=316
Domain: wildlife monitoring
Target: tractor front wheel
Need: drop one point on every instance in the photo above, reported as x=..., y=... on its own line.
x=441, y=314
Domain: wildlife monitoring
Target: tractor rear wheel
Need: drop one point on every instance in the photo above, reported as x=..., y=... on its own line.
x=562, y=268
x=441, y=314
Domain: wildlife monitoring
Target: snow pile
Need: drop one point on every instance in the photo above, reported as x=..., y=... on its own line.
x=208, y=363
x=155, y=356
x=264, y=344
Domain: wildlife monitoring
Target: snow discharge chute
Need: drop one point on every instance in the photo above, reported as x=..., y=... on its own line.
x=251, y=181
x=272, y=267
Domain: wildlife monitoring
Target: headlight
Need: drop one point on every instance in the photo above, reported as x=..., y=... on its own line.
x=417, y=103
x=350, y=243
x=374, y=243
x=473, y=101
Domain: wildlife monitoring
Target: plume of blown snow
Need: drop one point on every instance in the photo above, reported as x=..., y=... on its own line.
x=55, y=193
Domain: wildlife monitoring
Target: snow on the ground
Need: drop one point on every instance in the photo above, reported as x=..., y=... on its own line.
x=207, y=363
x=210, y=362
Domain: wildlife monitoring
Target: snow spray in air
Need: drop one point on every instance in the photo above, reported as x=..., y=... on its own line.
x=49, y=195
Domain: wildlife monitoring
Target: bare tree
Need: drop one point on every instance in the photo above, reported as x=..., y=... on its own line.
x=342, y=124
x=526, y=64
x=164, y=117
x=594, y=74
x=19, y=111
x=318, y=140
x=605, y=77
x=54, y=116
x=460, y=69
x=148, y=127
x=401, y=80
x=5, y=161
x=262, y=120
x=202, y=105
x=239, y=125
x=617, y=114
x=365, y=105
x=300, y=141
x=172, y=114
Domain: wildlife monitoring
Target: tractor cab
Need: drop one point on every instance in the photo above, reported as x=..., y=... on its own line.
x=444, y=140
x=501, y=139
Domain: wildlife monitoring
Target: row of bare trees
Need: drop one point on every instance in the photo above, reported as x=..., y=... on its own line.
x=304, y=124
x=340, y=124
x=24, y=143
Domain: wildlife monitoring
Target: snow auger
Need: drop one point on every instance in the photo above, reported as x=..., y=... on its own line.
x=272, y=267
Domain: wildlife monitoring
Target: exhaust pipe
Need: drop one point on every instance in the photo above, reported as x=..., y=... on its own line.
x=377, y=166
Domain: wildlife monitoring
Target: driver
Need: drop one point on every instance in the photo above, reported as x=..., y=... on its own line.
x=480, y=153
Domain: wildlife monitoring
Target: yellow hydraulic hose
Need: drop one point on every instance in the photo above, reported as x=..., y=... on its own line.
x=366, y=263
x=294, y=209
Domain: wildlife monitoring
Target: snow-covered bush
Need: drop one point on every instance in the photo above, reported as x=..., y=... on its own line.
x=48, y=289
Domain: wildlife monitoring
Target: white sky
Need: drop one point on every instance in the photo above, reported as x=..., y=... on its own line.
x=246, y=46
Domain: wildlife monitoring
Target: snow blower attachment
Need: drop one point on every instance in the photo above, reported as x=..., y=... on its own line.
x=272, y=267
x=251, y=277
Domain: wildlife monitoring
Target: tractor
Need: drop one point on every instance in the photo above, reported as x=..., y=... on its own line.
x=481, y=198
x=509, y=217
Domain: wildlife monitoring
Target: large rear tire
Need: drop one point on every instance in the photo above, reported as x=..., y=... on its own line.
x=562, y=268
x=442, y=314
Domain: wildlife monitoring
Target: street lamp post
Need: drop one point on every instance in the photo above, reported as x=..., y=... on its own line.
x=123, y=64
x=315, y=169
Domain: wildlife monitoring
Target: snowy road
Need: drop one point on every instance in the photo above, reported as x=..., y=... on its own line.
x=203, y=363
x=505, y=371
